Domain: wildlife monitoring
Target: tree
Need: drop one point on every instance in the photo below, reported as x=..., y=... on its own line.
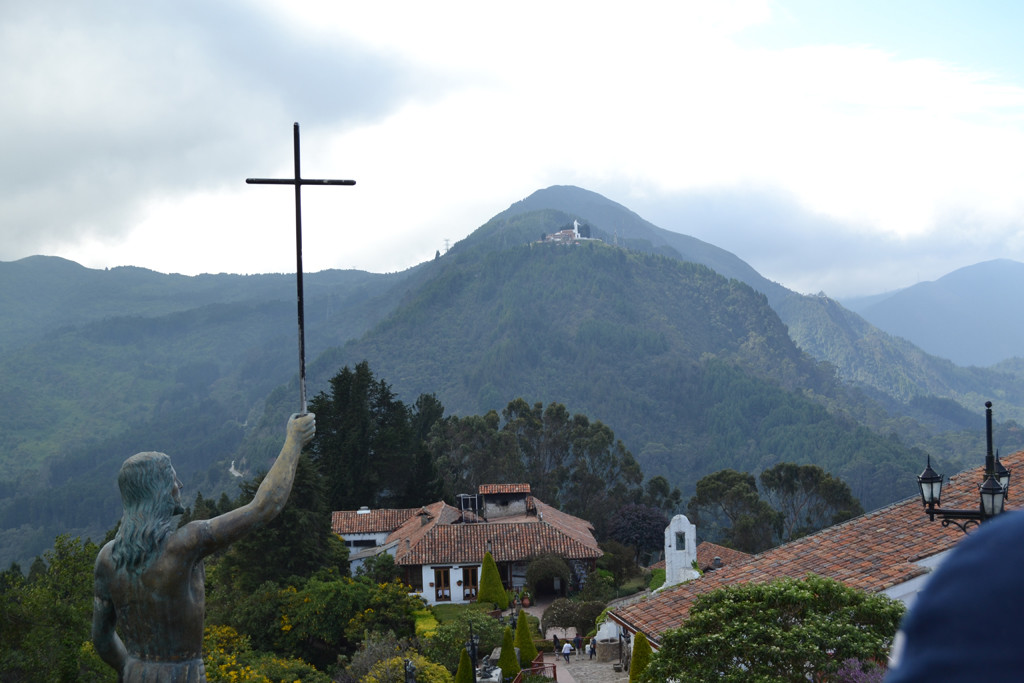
x=445, y=646
x=297, y=543
x=784, y=630
x=640, y=526
x=508, y=662
x=640, y=658
x=469, y=451
x=380, y=568
x=618, y=559
x=808, y=497
x=660, y=494
x=465, y=674
x=368, y=442
x=564, y=613
x=524, y=641
x=46, y=619
x=393, y=670
x=491, y=589
x=547, y=567
x=728, y=506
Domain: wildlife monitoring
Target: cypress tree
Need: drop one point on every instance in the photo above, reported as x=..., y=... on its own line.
x=507, y=662
x=491, y=589
x=641, y=657
x=524, y=641
x=464, y=674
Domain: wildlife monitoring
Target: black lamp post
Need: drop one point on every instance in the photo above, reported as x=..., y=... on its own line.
x=471, y=647
x=993, y=492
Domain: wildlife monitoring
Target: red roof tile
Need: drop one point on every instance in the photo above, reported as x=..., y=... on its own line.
x=872, y=552
x=439, y=533
x=369, y=521
x=484, y=489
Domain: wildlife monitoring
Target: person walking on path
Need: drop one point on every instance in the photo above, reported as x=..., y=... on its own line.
x=578, y=643
x=566, y=651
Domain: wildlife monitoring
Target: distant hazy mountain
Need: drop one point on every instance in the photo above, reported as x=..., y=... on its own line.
x=971, y=316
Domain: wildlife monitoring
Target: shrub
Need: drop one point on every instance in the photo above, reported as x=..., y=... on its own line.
x=491, y=589
x=524, y=641
x=507, y=662
x=393, y=670
x=641, y=657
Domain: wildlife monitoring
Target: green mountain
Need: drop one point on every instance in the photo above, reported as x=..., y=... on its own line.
x=694, y=360
x=693, y=371
x=889, y=367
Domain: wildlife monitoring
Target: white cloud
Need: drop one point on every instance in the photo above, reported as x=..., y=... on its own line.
x=140, y=121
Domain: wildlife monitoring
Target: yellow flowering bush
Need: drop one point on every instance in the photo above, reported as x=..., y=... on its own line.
x=392, y=670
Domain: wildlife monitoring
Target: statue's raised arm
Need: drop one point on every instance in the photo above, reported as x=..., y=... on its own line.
x=271, y=495
x=149, y=591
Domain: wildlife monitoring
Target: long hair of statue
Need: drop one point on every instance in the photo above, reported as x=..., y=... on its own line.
x=146, y=481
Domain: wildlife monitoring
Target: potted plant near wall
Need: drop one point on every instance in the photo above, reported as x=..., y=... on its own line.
x=525, y=597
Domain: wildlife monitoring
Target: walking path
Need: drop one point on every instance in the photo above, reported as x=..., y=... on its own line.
x=581, y=669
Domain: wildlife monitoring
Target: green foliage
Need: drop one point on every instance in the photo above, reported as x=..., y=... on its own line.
x=524, y=640
x=657, y=579
x=374, y=648
x=380, y=568
x=808, y=498
x=565, y=613
x=544, y=568
x=229, y=658
x=570, y=462
x=465, y=674
x=641, y=657
x=393, y=670
x=298, y=542
x=785, y=630
x=451, y=636
x=507, y=661
x=802, y=499
x=369, y=445
x=600, y=585
x=728, y=506
x=46, y=619
x=642, y=527
x=619, y=560
x=491, y=589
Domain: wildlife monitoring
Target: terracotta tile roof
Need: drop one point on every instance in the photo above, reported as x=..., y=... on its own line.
x=439, y=533
x=508, y=542
x=484, y=489
x=369, y=522
x=707, y=552
x=872, y=552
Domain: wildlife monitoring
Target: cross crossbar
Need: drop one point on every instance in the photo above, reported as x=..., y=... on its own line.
x=298, y=181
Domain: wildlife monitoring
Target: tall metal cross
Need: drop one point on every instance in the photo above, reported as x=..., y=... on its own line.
x=298, y=181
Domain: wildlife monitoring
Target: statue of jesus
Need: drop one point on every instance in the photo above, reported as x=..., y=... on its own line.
x=150, y=578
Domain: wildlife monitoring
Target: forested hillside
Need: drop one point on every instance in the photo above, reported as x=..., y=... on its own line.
x=864, y=355
x=692, y=370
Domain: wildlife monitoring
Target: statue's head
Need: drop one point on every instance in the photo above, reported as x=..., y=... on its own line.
x=149, y=484
x=151, y=495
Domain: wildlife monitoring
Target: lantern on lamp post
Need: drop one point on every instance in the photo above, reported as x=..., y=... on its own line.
x=993, y=491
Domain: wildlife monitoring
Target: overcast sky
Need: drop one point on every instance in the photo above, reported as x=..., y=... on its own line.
x=845, y=147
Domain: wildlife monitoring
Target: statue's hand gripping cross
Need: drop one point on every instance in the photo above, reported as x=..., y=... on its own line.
x=298, y=181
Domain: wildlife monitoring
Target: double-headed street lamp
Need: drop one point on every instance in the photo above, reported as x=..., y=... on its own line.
x=994, y=489
x=471, y=647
